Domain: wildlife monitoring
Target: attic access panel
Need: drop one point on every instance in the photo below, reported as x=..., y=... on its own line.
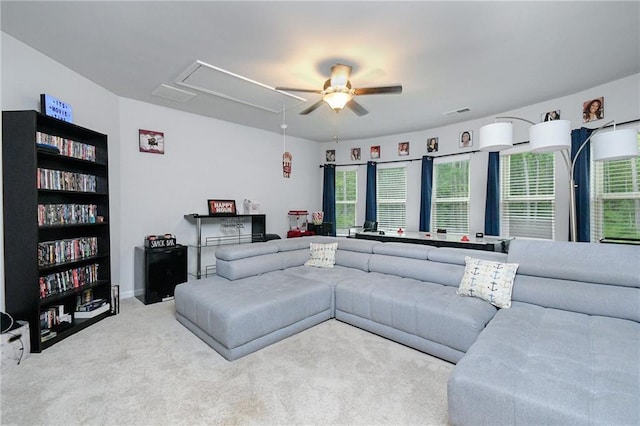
x=225, y=84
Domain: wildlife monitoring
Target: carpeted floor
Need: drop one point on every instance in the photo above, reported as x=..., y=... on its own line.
x=142, y=367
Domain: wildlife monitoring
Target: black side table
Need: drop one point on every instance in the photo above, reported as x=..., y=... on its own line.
x=158, y=271
x=325, y=228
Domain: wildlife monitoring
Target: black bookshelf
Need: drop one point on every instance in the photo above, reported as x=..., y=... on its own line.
x=35, y=290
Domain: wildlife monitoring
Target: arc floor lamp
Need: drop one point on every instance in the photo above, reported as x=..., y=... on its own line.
x=555, y=135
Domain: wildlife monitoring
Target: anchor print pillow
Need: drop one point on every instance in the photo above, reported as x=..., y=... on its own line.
x=490, y=281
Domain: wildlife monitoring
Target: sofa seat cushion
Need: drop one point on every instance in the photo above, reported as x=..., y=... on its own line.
x=237, y=312
x=535, y=365
x=430, y=311
x=329, y=276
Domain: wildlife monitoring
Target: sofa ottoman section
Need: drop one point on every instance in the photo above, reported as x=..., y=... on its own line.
x=241, y=316
x=535, y=365
x=428, y=316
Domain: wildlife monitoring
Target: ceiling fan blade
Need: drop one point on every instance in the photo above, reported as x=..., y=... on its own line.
x=290, y=89
x=357, y=108
x=312, y=107
x=378, y=90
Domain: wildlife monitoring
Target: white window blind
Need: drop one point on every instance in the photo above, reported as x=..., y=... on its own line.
x=527, y=192
x=450, y=203
x=615, y=199
x=346, y=199
x=391, y=195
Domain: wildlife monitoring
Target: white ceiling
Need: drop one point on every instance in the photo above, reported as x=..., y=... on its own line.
x=488, y=56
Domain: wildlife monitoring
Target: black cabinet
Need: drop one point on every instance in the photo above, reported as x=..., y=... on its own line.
x=158, y=271
x=56, y=224
x=325, y=228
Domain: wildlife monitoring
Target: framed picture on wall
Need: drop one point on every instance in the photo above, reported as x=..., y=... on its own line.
x=551, y=116
x=375, y=151
x=593, y=110
x=403, y=149
x=432, y=145
x=355, y=153
x=330, y=155
x=151, y=141
x=466, y=139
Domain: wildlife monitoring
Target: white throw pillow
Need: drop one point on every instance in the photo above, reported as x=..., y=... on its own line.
x=322, y=255
x=490, y=281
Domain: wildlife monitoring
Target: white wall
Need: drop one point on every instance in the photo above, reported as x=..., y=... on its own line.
x=622, y=103
x=204, y=159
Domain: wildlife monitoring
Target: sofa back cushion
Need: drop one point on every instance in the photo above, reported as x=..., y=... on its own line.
x=440, y=265
x=412, y=251
x=423, y=270
x=590, y=278
x=352, y=253
x=248, y=266
x=233, y=251
x=456, y=256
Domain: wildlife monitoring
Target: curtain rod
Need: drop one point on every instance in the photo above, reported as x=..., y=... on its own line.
x=457, y=153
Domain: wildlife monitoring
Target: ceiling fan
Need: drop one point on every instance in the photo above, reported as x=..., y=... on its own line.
x=337, y=92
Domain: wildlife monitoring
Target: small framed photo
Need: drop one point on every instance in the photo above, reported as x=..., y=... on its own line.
x=403, y=149
x=151, y=141
x=330, y=155
x=593, y=110
x=222, y=207
x=355, y=154
x=432, y=145
x=466, y=139
x=550, y=116
x=375, y=151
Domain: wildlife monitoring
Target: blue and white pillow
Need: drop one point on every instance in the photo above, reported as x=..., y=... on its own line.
x=490, y=281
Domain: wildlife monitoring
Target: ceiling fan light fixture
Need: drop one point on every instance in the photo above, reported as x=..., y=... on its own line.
x=337, y=100
x=340, y=75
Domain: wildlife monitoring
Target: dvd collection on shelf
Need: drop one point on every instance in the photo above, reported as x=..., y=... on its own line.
x=67, y=147
x=88, y=307
x=66, y=214
x=69, y=250
x=52, y=319
x=65, y=181
x=92, y=309
x=66, y=280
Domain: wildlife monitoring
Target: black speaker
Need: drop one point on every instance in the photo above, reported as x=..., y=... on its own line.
x=158, y=271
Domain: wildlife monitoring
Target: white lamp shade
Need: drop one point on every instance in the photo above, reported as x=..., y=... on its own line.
x=616, y=145
x=550, y=136
x=496, y=136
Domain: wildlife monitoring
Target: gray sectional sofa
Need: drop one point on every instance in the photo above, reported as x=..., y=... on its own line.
x=567, y=351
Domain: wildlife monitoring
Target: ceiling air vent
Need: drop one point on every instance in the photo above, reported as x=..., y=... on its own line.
x=225, y=84
x=457, y=111
x=173, y=93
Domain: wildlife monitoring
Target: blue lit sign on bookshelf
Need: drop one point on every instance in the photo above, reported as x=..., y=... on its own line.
x=56, y=108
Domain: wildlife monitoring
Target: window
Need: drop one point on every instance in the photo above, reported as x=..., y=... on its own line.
x=346, y=199
x=615, y=199
x=392, y=197
x=527, y=193
x=450, y=204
